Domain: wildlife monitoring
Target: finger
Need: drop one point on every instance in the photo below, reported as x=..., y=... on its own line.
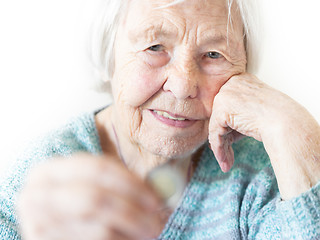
x=221, y=138
x=87, y=229
x=235, y=136
x=122, y=182
x=129, y=219
x=223, y=152
x=102, y=171
x=87, y=210
x=114, y=235
x=118, y=236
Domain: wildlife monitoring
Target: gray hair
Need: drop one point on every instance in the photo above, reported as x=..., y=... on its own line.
x=106, y=25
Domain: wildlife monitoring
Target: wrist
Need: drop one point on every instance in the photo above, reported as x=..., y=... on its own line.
x=294, y=151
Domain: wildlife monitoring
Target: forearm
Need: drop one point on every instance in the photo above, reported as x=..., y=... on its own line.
x=295, y=155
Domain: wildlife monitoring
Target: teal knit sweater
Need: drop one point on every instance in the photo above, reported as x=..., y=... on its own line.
x=241, y=204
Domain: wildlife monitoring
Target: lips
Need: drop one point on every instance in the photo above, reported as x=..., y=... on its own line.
x=170, y=116
x=172, y=119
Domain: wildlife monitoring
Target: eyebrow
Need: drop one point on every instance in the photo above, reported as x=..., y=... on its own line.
x=159, y=31
x=210, y=36
x=152, y=32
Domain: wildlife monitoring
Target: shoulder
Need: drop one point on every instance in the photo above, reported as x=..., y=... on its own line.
x=78, y=134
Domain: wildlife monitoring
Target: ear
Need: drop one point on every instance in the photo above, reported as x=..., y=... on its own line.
x=103, y=76
x=102, y=82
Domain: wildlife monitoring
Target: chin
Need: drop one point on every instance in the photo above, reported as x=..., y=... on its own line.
x=172, y=148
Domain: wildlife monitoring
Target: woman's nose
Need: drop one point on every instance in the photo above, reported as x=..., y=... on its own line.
x=182, y=80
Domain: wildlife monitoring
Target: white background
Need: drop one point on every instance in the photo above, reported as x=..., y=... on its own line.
x=46, y=76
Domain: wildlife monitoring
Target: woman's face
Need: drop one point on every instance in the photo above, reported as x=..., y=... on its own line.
x=170, y=63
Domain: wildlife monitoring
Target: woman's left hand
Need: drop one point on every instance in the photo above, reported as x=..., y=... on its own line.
x=291, y=136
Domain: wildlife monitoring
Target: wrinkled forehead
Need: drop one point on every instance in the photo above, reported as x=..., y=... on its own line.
x=214, y=14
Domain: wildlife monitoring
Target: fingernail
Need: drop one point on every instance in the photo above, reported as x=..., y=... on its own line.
x=224, y=166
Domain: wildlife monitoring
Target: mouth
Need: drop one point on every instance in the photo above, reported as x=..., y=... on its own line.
x=170, y=116
x=172, y=119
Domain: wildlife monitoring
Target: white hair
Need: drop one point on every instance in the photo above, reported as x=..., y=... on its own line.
x=106, y=25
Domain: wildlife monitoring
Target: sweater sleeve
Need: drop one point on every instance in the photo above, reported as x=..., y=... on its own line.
x=263, y=215
x=12, y=181
x=79, y=135
x=298, y=218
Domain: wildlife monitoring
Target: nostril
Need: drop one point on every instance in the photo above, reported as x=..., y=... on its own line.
x=181, y=91
x=194, y=91
x=181, y=86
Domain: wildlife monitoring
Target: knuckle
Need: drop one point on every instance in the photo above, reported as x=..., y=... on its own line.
x=109, y=233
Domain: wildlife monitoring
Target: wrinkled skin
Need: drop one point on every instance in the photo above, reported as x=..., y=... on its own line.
x=176, y=60
x=289, y=133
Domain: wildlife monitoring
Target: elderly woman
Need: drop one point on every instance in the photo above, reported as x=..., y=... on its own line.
x=178, y=74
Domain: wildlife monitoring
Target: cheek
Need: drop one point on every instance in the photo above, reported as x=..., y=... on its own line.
x=219, y=68
x=136, y=84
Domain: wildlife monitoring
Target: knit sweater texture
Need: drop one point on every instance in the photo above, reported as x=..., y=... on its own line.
x=242, y=204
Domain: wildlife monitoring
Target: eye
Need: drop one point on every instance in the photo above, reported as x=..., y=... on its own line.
x=156, y=48
x=156, y=55
x=213, y=55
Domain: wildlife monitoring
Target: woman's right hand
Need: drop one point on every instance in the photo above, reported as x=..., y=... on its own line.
x=87, y=197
